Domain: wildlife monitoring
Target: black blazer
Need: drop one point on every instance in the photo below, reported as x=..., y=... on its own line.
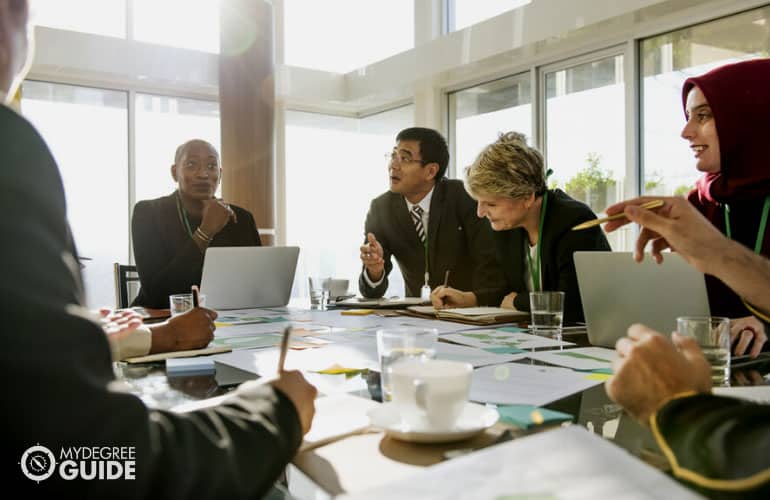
x=458, y=241
x=233, y=451
x=559, y=242
x=167, y=259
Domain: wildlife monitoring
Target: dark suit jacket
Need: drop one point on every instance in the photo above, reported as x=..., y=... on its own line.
x=559, y=242
x=717, y=444
x=167, y=259
x=56, y=366
x=458, y=241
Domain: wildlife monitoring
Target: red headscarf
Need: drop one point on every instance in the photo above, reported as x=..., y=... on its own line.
x=739, y=97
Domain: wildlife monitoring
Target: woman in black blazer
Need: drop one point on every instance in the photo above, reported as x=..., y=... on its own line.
x=533, y=227
x=171, y=233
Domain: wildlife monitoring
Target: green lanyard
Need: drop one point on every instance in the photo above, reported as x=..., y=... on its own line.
x=762, y=224
x=535, y=272
x=183, y=215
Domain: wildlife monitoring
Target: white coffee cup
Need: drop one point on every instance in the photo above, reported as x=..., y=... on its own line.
x=430, y=394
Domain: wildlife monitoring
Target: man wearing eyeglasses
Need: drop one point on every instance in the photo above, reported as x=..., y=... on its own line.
x=428, y=223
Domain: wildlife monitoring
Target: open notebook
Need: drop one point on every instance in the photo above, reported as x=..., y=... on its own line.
x=473, y=315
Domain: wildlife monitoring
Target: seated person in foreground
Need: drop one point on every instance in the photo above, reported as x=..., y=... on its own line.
x=717, y=444
x=130, y=337
x=428, y=223
x=533, y=228
x=171, y=233
x=61, y=392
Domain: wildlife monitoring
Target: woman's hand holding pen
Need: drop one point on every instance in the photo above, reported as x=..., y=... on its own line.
x=444, y=297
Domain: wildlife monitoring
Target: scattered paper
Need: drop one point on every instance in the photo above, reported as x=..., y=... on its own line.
x=514, y=383
x=335, y=417
x=581, y=358
x=525, y=416
x=557, y=464
x=756, y=393
x=484, y=339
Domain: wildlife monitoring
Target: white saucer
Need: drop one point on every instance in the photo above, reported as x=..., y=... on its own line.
x=474, y=419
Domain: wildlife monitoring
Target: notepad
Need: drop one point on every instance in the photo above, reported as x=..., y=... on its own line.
x=178, y=354
x=478, y=315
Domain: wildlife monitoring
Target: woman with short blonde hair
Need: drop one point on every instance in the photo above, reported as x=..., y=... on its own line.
x=532, y=224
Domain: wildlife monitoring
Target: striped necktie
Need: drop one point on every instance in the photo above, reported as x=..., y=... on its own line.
x=417, y=219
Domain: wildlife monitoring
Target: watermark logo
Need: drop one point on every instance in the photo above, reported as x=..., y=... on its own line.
x=38, y=463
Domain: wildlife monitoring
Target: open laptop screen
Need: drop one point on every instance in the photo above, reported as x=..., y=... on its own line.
x=248, y=277
x=616, y=292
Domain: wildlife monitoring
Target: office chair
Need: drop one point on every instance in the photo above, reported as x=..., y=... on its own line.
x=124, y=276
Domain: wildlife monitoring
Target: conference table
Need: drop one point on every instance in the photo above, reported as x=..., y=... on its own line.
x=363, y=460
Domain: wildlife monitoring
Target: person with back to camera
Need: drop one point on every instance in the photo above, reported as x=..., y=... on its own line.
x=533, y=228
x=171, y=233
x=716, y=443
x=61, y=392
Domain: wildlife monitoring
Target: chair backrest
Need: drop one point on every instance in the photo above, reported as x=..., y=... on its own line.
x=126, y=284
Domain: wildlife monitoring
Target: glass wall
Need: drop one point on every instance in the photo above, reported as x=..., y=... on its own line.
x=464, y=13
x=585, y=133
x=335, y=166
x=481, y=113
x=315, y=35
x=87, y=131
x=669, y=59
x=162, y=124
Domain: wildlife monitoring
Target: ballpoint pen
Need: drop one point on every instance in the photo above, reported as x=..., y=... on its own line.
x=596, y=222
x=284, y=348
x=196, y=299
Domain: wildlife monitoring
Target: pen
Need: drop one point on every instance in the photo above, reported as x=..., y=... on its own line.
x=596, y=222
x=446, y=278
x=196, y=301
x=284, y=348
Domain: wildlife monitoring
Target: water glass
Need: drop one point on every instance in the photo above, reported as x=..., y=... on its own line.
x=397, y=344
x=319, y=292
x=182, y=302
x=547, y=310
x=712, y=334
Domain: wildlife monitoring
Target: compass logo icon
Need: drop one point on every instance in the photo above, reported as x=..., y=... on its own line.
x=38, y=463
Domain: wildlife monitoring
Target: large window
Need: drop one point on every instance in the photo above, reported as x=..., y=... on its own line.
x=667, y=60
x=464, y=13
x=585, y=133
x=480, y=114
x=321, y=35
x=100, y=17
x=86, y=129
x=189, y=24
x=335, y=166
x=162, y=124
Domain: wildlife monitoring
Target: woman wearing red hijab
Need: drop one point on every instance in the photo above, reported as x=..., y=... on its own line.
x=734, y=192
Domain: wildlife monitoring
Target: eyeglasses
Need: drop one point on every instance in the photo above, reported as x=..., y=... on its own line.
x=402, y=158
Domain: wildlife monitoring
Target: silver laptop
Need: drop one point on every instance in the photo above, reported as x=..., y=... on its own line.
x=616, y=292
x=248, y=277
